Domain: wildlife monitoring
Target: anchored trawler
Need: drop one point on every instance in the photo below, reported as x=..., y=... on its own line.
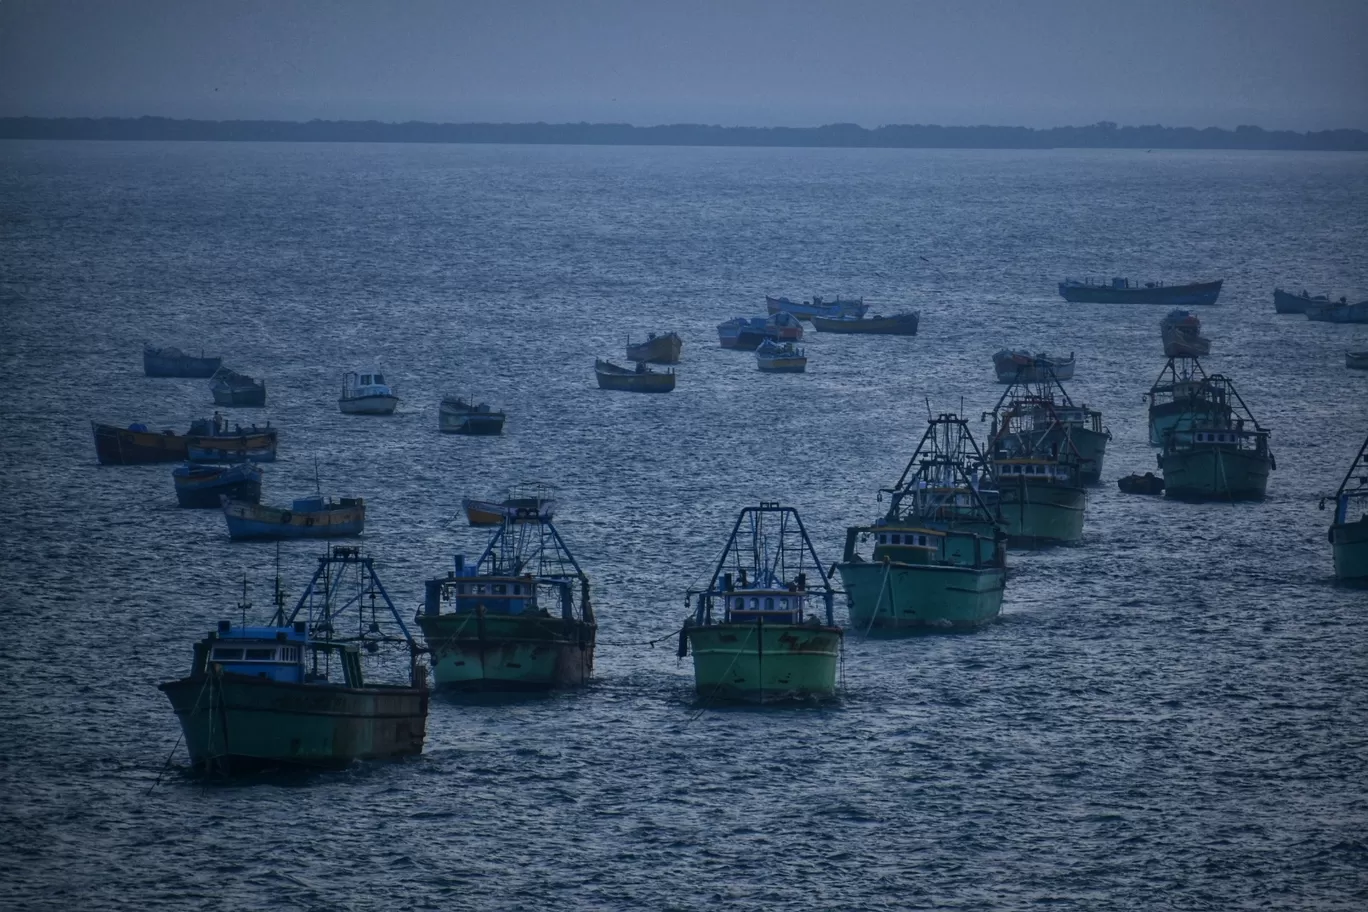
x=939, y=558
x=1176, y=400
x=1065, y=420
x=516, y=620
x=1349, y=529
x=1036, y=469
x=751, y=635
x=1218, y=452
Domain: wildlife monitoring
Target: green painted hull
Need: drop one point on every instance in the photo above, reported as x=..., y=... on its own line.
x=508, y=653
x=1092, y=451
x=921, y=597
x=1037, y=514
x=1215, y=473
x=234, y=723
x=764, y=663
x=1349, y=541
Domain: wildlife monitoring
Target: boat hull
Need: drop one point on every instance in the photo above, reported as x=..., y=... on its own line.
x=1091, y=446
x=900, y=325
x=251, y=521
x=890, y=597
x=1198, y=294
x=1011, y=372
x=241, y=398
x=660, y=350
x=1036, y=514
x=120, y=446
x=781, y=365
x=179, y=365
x=1349, y=544
x=1215, y=473
x=1285, y=303
x=234, y=723
x=1339, y=313
x=1356, y=360
x=764, y=663
x=242, y=448
x=208, y=490
x=368, y=405
x=495, y=653
x=633, y=382
x=475, y=425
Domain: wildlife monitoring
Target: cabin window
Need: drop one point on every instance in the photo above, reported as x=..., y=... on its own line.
x=365, y=379
x=783, y=604
x=740, y=604
x=260, y=655
x=227, y=655
x=896, y=539
x=500, y=589
x=517, y=589
x=769, y=603
x=479, y=589
x=883, y=538
x=755, y=604
x=379, y=378
x=921, y=539
x=289, y=654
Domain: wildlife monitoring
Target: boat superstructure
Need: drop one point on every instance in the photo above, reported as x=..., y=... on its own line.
x=457, y=415
x=1177, y=399
x=1349, y=527
x=367, y=394
x=1181, y=333
x=750, y=631
x=775, y=358
x=1218, y=451
x=663, y=348
x=1037, y=471
x=939, y=559
x=1054, y=417
x=1022, y=366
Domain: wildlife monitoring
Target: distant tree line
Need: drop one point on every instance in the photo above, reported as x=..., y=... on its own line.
x=1104, y=135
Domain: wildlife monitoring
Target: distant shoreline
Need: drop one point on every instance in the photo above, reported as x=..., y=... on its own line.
x=1104, y=135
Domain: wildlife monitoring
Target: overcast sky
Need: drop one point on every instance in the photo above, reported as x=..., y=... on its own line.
x=1277, y=63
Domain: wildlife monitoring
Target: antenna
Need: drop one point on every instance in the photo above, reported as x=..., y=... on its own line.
x=318, y=487
x=928, y=408
x=242, y=603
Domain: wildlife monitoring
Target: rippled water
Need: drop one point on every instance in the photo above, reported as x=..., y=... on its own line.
x=1173, y=714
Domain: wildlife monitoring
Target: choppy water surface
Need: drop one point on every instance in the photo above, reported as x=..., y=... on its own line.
x=1172, y=715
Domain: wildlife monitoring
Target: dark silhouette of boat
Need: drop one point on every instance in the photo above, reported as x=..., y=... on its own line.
x=1123, y=291
x=204, y=486
x=903, y=324
x=641, y=380
x=1149, y=483
x=209, y=440
x=1284, y=302
x=657, y=349
x=172, y=362
x=237, y=390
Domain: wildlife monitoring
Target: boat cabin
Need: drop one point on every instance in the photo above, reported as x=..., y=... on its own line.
x=773, y=606
x=1032, y=470
x=908, y=545
x=358, y=386
x=470, y=592
x=280, y=654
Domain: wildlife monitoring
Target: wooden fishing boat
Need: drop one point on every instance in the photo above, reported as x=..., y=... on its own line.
x=1020, y=366
x=1339, y=312
x=641, y=380
x=1123, y=291
x=1149, y=483
x=1055, y=422
x=308, y=517
x=1181, y=333
x=657, y=349
x=780, y=359
x=205, y=486
x=1285, y=302
x=513, y=509
x=1177, y=400
x=939, y=559
x=746, y=333
x=209, y=440
x=233, y=389
x=751, y=636
x=1349, y=528
x=903, y=324
x=172, y=362
x=269, y=696
x=1222, y=456
x=1041, y=498
x=1356, y=360
x=806, y=310
x=366, y=394
x=457, y=416
x=518, y=619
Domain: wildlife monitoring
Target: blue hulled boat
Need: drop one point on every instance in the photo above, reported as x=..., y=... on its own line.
x=205, y=486
x=1124, y=291
x=307, y=517
x=172, y=362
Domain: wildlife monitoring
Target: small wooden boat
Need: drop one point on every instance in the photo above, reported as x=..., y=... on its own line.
x=641, y=380
x=209, y=440
x=1149, y=483
x=903, y=324
x=172, y=362
x=292, y=693
x=746, y=333
x=233, y=389
x=784, y=327
x=1181, y=333
x=366, y=394
x=1349, y=528
x=1339, y=312
x=1123, y=291
x=215, y=442
x=1023, y=367
x=774, y=358
x=205, y=486
x=1356, y=360
x=805, y=310
x=307, y=517
x=1285, y=302
x=657, y=349
x=457, y=416
x=513, y=509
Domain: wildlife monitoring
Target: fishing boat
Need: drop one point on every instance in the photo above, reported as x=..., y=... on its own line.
x=204, y=486
x=1349, y=528
x=1053, y=419
x=774, y=358
x=172, y=362
x=746, y=333
x=939, y=558
x=1176, y=400
x=457, y=416
x=806, y=310
x=269, y=696
x=1124, y=291
x=1339, y=312
x=657, y=349
x=1284, y=302
x=1356, y=360
x=751, y=636
x=784, y=327
x=536, y=508
x=209, y=440
x=1217, y=455
x=1022, y=366
x=1041, y=498
x=366, y=394
x=308, y=517
x=1181, y=332
x=628, y=380
x=518, y=619
x=233, y=389
x=903, y=324
x=1149, y=483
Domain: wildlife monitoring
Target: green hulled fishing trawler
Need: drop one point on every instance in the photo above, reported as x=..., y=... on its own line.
x=1178, y=398
x=939, y=559
x=751, y=637
x=1219, y=452
x=1035, y=469
x=1349, y=529
x=1065, y=421
x=517, y=620
x=293, y=693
